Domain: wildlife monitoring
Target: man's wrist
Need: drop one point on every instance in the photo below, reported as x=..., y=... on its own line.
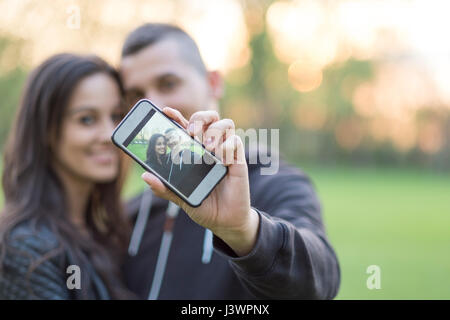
x=242, y=241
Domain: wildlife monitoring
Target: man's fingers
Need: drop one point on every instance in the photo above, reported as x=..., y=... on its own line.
x=154, y=183
x=160, y=190
x=200, y=120
x=176, y=115
x=231, y=151
x=217, y=133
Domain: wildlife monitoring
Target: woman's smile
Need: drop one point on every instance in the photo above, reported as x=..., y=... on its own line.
x=104, y=157
x=160, y=147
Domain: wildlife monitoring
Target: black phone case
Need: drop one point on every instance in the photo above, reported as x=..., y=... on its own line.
x=147, y=168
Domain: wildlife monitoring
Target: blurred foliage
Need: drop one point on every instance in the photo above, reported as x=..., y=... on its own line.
x=316, y=126
x=260, y=95
x=11, y=83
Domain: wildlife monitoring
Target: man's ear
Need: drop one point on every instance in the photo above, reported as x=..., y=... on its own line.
x=216, y=84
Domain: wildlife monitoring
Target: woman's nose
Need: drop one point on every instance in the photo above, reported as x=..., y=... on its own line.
x=106, y=130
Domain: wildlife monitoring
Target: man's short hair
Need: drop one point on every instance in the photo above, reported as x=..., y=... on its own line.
x=151, y=33
x=169, y=130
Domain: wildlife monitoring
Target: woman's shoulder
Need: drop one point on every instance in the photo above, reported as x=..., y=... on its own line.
x=29, y=268
x=32, y=237
x=27, y=243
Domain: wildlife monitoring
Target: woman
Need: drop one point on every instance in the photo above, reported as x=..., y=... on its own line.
x=62, y=179
x=156, y=154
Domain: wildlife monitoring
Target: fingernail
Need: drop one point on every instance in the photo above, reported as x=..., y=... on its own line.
x=191, y=128
x=145, y=175
x=208, y=141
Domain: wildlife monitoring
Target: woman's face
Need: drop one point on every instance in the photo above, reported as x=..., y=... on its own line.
x=84, y=149
x=160, y=146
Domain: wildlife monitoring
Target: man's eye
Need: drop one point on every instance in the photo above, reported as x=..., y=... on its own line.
x=167, y=85
x=87, y=120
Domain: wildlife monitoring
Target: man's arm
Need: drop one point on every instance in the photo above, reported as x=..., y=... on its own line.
x=296, y=251
x=291, y=258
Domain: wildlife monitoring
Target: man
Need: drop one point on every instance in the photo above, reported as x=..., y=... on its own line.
x=276, y=248
x=180, y=163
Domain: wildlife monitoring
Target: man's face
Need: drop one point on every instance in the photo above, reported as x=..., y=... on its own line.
x=173, y=139
x=158, y=73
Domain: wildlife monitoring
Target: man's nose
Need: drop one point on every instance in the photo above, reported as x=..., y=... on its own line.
x=156, y=98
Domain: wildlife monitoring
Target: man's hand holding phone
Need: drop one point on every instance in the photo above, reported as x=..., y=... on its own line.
x=226, y=211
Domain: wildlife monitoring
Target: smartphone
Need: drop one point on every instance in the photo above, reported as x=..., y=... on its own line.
x=161, y=146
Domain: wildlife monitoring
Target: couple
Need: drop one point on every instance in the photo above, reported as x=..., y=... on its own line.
x=177, y=166
x=170, y=165
x=62, y=178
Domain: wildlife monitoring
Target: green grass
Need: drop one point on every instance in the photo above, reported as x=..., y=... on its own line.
x=397, y=219
x=140, y=150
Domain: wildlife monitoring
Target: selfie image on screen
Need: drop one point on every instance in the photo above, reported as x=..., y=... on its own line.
x=169, y=151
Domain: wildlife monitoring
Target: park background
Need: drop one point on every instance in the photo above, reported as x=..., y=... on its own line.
x=360, y=91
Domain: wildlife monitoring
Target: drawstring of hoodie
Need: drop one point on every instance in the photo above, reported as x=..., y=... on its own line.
x=172, y=213
x=166, y=241
x=141, y=222
x=207, y=247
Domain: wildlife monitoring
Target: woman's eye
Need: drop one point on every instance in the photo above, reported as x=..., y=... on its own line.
x=87, y=120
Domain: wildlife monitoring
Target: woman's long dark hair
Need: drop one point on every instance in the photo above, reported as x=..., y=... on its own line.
x=33, y=192
x=152, y=157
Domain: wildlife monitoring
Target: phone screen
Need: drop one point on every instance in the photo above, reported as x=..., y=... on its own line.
x=170, y=152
